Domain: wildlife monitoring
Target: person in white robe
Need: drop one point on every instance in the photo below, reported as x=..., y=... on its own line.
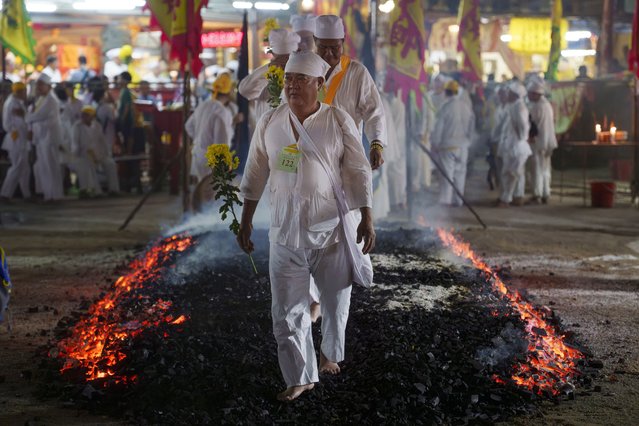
x=16, y=143
x=70, y=109
x=304, y=26
x=396, y=152
x=88, y=133
x=499, y=118
x=211, y=123
x=350, y=86
x=542, y=144
x=254, y=86
x=419, y=125
x=82, y=158
x=451, y=138
x=514, y=148
x=306, y=236
x=437, y=95
x=46, y=132
x=52, y=70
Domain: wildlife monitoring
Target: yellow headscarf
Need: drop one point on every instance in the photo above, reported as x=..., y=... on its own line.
x=88, y=109
x=16, y=87
x=222, y=84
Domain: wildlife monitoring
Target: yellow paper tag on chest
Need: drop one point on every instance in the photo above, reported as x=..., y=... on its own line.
x=288, y=159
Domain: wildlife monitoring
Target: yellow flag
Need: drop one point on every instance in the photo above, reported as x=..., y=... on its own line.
x=171, y=15
x=555, y=47
x=469, y=42
x=15, y=30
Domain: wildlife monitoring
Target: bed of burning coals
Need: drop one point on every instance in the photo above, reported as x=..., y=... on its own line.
x=184, y=337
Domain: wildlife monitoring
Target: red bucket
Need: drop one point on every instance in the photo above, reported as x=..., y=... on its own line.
x=602, y=194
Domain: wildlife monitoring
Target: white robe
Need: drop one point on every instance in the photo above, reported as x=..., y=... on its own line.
x=420, y=124
x=543, y=145
x=211, y=123
x=82, y=159
x=103, y=152
x=18, y=149
x=253, y=88
x=395, y=153
x=105, y=116
x=514, y=149
x=451, y=138
x=304, y=231
x=359, y=97
x=44, y=120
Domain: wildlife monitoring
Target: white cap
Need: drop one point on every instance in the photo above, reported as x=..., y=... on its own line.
x=517, y=88
x=282, y=41
x=44, y=78
x=329, y=27
x=307, y=63
x=303, y=23
x=536, y=86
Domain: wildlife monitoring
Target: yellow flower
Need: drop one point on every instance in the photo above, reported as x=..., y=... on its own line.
x=221, y=152
x=275, y=73
x=270, y=24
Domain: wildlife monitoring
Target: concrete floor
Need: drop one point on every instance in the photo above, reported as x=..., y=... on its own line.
x=583, y=262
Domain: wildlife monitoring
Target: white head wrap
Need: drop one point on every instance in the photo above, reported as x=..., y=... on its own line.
x=44, y=78
x=307, y=63
x=329, y=27
x=536, y=86
x=303, y=23
x=282, y=41
x=517, y=88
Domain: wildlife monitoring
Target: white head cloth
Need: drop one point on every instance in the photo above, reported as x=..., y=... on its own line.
x=517, y=88
x=307, y=63
x=303, y=23
x=536, y=86
x=329, y=27
x=282, y=41
x=44, y=78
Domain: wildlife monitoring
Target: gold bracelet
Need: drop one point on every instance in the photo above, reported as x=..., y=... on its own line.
x=378, y=146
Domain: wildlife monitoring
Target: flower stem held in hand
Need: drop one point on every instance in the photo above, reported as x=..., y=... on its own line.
x=223, y=163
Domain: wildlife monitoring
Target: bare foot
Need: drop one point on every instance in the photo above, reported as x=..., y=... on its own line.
x=294, y=392
x=327, y=366
x=315, y=311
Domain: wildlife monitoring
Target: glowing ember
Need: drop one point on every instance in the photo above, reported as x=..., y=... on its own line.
x=97, y=341
x=550, y=363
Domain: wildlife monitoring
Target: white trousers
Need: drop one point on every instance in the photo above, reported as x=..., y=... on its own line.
x=541, y=174
x=47, y=171
x=290, y=270
x=420, y=167
x=110, y=170
x=513, y=183
x=18, y=174
x=453, y=162
x=396, y=174
x=87, y=175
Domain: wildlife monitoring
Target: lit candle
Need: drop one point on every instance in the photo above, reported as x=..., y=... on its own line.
x=598, y=132
x=613, y=132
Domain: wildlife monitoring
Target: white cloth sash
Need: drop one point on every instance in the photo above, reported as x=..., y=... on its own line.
x=361, y=263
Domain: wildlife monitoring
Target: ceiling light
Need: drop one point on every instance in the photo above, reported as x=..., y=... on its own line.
x=108, y=5
x=267, y=5
x=308, y=5
x=41, y=7
x=387, y=7
x=242, y=5
x=577, y=35
x=506, y=38
x=578, y=53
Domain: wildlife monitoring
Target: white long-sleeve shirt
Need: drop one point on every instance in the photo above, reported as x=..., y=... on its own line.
x=514, y=146
x=542, y=115
x=210, y=123
x=14, y=123
x=454, y=125
x=45, y=121
x=253, y=88
x=359, y=97
x=303, y=208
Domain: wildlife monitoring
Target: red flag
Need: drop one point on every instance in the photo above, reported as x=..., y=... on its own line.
x=633, y=54
x=181, y=25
